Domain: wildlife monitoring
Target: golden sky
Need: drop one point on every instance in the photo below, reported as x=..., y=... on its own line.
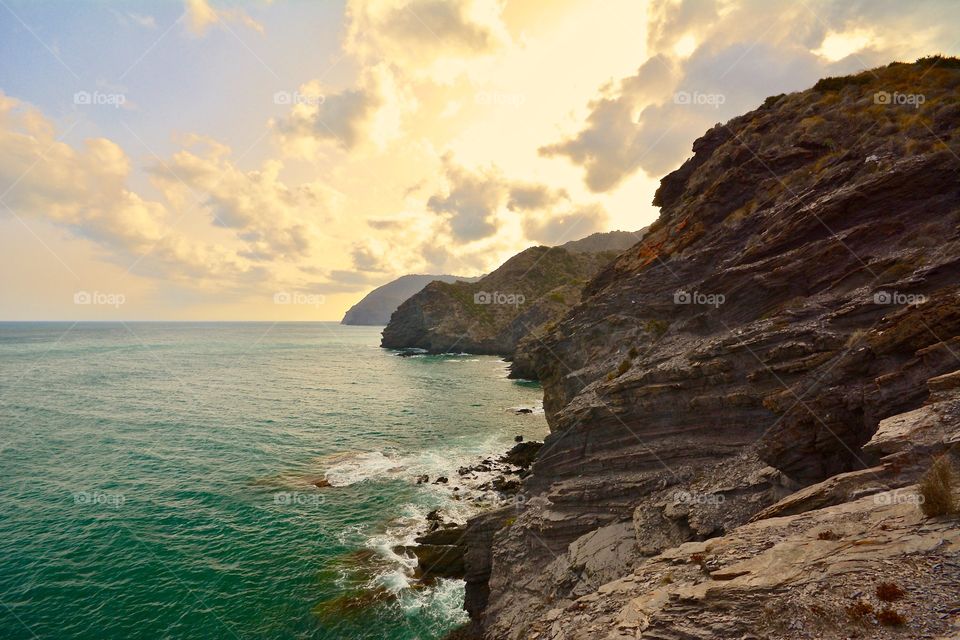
x=276, y=161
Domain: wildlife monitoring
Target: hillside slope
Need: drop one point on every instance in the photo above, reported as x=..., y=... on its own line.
x=377, y=306
x=799, y=288
x=489, y=316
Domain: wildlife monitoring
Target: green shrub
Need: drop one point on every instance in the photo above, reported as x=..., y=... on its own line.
x=839, y=82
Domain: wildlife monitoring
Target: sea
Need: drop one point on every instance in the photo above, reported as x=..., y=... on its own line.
x=167, y=480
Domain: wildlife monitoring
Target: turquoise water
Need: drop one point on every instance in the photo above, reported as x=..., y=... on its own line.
x=158, y=478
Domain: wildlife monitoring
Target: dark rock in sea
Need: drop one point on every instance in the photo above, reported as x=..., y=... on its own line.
x=441, y=480
x=322, y=483
x=439, y=552
x=523, y=410
x=450, y=534
x=518, y=438
x=503, y=485
x=522, y=454
x=423, y=479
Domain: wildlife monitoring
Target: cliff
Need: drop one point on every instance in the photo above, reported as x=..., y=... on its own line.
x=377, y=306
x=489, y=316
x=794, y=299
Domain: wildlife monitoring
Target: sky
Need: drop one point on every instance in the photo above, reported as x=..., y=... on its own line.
x=206, y=160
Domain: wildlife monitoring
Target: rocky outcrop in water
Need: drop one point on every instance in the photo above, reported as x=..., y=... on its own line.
x=763, y=350
x=489, y=316
x=377, y=306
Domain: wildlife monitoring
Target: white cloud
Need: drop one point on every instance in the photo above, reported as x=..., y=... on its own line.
x=201, y=15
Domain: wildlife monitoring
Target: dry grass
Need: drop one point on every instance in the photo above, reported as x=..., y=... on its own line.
x=860, y=610
x=936, y=489
x=891, y=618
x=889, y=591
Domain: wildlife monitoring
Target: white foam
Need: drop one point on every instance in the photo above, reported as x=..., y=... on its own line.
x=360, y=467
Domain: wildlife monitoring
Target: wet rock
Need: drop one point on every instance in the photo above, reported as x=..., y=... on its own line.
x=503, y=485
x=522, y=454
x=423, y=479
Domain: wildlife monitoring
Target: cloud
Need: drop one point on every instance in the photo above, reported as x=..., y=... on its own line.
x=471, y=202
x=272, y=226
x=369, y=256
x=201, y=16
x=130, y=17
x=81, y=189
x=424, y=37
x=349, y=119
x=711, y=60
x=524, y=197
x=557, y=229
x=273, y=220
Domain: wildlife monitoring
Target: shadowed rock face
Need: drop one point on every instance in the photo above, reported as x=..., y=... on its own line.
x=799, y=287
x=491, y=315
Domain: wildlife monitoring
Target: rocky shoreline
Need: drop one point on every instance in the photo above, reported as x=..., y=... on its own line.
x=749, y=407
x=441, y=547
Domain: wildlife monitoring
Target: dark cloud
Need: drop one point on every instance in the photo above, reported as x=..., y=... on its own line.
x=557, y=229
x=341, y=118
x=471, y=202
x=524, y=197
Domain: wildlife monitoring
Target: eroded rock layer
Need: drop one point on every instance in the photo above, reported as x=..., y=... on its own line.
x=798, y=290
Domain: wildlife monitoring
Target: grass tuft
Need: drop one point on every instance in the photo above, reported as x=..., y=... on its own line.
x=936, y=489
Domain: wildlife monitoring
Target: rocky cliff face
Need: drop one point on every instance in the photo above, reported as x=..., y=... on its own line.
x=799, y=289
x=377, y=306
x=491, y=315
